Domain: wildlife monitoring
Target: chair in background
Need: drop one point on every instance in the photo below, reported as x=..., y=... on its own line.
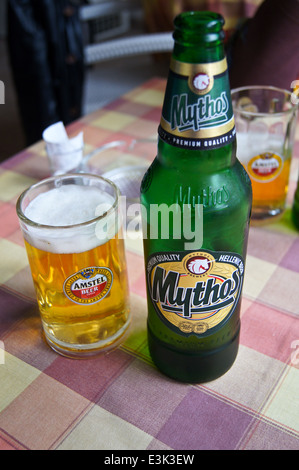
x=127, y=47
x=118, y=33
x=115, y=18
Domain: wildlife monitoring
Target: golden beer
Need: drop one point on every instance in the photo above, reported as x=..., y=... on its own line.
x=269, y=192
x=78, y=270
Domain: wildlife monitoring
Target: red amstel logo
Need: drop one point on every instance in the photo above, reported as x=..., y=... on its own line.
x=89, y=285
x=265, y=167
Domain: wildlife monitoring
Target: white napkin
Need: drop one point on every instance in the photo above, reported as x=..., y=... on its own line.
x=64, y=154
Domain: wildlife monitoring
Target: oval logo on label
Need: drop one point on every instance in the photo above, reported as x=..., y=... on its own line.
x=89, y=285
x=198, y=265
x=201, y=81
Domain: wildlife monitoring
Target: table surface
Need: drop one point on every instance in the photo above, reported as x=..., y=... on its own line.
x=120, y=400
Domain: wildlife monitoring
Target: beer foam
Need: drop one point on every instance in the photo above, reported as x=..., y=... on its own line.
x=64, y=207
x=68, y=205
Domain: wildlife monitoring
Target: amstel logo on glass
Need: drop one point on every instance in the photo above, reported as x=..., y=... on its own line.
x=89, y=285
x=194, y=292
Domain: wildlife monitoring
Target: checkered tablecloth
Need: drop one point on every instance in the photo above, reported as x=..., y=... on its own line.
x=120, y=400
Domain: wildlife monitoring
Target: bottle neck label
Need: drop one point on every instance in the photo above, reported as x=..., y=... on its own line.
x=197, y=111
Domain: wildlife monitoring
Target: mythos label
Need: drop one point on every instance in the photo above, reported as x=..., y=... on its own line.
x=194, y=291
x=197, y=111
x=89, y=285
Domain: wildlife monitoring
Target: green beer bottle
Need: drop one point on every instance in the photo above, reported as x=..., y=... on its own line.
x=196, y=203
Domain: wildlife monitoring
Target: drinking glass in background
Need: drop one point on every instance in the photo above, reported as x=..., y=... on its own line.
x=73, y=236
x=265, y=125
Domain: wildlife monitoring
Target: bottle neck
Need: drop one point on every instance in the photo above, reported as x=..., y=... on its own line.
x=197, y=117
x=198, y=54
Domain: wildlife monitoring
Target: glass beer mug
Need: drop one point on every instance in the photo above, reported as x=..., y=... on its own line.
x=265, y=124
x=73, y=236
